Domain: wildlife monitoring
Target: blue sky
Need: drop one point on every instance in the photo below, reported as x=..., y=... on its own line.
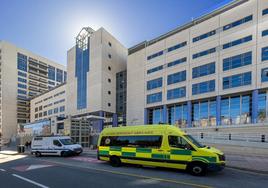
x=49, y=27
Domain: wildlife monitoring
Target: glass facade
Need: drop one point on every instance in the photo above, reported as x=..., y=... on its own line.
x=264, y=54
x=51, y=73
x=176, y=77
x=236, y=110
x=203, y=53
x=176, y=62
x=176, y=93
x=264, y=33
x=155, y=116
x=177, y=115
x=177, y=46
x=22, y=62
x=155, y=97
x=236, y=80
x=155, y=55
x=237, y=42
x=59, y=76
x=262, y=107
x=264, y=75
x=204, y=113
x=203, y=87
x=203, y=70
x=238, y=22
x=204, y=36
x=155, y=69
x=265, y=11
x=156, y=83
x=237, y=61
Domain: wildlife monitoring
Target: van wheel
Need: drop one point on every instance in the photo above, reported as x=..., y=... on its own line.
x=197, y=168
x=38, y=154
x=63, y=154
x=115, y=161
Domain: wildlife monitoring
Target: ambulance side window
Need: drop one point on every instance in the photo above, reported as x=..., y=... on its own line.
x=178, y=142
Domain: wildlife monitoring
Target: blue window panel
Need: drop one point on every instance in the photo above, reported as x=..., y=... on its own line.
x=51, y=73
x=62, y=108
x=22, y=97
x=203, y=53
x=32, y=93
x=65, y=76
x=203, y=87
x=177, y=46
x=51, y=83
x=59, y=76
x=50, y=112
x=22, y=80
x=204, y=36
x=156, y=83
x=203, y=70
x=155, y=55
x=22, y=86
x=176, y=77
x=236, y=80
x=22, y=91
x=237, y=23
x=237, y=61
x=22, y=74
x=82, y=65
x=264, y=53
x=155, y=69
x=237, y=42
x=264, y=33
x=56, y=110
x=22, y=62
x=265, y=11
x=176, y=62
x=153, y=98
x=176, y=93
x=264, y=75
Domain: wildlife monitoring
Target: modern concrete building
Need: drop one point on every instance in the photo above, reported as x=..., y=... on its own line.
x=23, y=75
x=93, y=67
x=210, y=72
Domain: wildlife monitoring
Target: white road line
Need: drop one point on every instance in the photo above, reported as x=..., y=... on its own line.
x=30, y=181
x=3, y=170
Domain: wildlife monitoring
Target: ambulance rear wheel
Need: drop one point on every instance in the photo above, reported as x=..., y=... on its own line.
x=115, y=161
x=197, y=169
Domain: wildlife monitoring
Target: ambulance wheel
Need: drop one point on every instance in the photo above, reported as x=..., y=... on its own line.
x=197, y=168
x=115, y=161
x=38, y=154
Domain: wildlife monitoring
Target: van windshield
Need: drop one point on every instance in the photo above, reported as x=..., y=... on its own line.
x=194, y=141
x=66, y=141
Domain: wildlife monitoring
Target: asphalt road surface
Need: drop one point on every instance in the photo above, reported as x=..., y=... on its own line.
x=86, y=171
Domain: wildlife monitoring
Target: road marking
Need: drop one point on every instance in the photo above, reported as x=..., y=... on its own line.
x=3, y=170
x=136, y=175
x=30, y=181
x=31, y=167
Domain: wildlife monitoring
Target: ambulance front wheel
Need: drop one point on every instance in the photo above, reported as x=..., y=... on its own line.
x=115, y=161
x=197, y=168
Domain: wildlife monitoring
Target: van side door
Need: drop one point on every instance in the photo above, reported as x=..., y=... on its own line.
x=180, y=149
x=57, y=146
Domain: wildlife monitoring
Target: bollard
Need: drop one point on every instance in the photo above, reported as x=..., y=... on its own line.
x=230, y=136
x=262, y=138
x=202, y=135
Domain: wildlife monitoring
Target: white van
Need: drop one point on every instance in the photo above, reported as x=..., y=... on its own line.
x=54, y=145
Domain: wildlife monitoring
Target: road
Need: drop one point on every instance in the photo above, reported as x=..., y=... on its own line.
x=86, y=171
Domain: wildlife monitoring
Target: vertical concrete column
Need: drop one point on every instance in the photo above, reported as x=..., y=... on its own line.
x=145, y=116
x=115, y=120
x=189, y=114
x=164, y=114
x=218, y=110
x=254, y=112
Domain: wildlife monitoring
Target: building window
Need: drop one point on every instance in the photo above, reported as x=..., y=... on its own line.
x=109, y=92
x=22, y=86
x=36, y=116
x=176, y=62
x=203, y=87
x=110, y=56
x=22, y=62
x=155, y=116
x=236, y=110
x=204, y=113
x=262, y=107
x=40, y=107
x=176, y=77
x=50, y=112
x=237, y=61
x=109, y=80
x=110, y=44
x=203, y=70
x=237, y=42
x=264, y=53
x=155, y=69
x=65, y=76
x=176, y=93
x=265, y=11
x=237, y=80
x=155, y=97
x=264, y=33
x=22, y=91
x=156, y=83
x=56, y=110
x=155, y=55
x=59, y=75
x=22, y=74
x=264, y=75
x=203, y=53
x=204, y=36
x=62, y=108
x=36, y=109
x=51, y=83
x=45, y=113
x=177, y=46
x=109, y=104
x=177, y=115
x=22, y=80
x=238, y=22
x=40, y=114
x=51, y=73
x=109, y=68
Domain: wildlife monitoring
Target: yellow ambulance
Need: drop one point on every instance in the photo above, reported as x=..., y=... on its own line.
x=159, y=146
